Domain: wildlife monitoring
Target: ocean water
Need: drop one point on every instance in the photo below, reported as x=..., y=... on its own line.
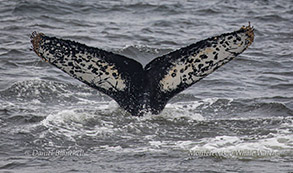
x=238, y=119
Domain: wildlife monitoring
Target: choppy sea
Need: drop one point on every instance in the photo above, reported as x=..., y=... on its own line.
x=238, y=119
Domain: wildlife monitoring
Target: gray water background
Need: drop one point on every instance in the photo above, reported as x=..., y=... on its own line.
x=238, y=119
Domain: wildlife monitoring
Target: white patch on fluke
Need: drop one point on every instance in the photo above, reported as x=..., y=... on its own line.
x=103, y=78
x=204, y=62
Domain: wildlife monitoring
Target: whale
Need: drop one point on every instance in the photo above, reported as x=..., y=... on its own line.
x=142, y=89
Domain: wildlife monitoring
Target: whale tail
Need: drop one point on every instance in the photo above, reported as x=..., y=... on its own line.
x=138, y=89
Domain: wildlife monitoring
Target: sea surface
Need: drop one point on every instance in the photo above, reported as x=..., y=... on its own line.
x=238, y=119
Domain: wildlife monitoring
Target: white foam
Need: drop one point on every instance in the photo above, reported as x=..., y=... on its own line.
x=111, y=148
x=70, y=123
x=186, y=109
x=231, y=146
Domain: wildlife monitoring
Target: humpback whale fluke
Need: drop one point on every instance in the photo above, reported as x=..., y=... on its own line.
x=135, y=88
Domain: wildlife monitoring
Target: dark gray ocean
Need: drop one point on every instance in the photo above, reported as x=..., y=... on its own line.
x=238, y=119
